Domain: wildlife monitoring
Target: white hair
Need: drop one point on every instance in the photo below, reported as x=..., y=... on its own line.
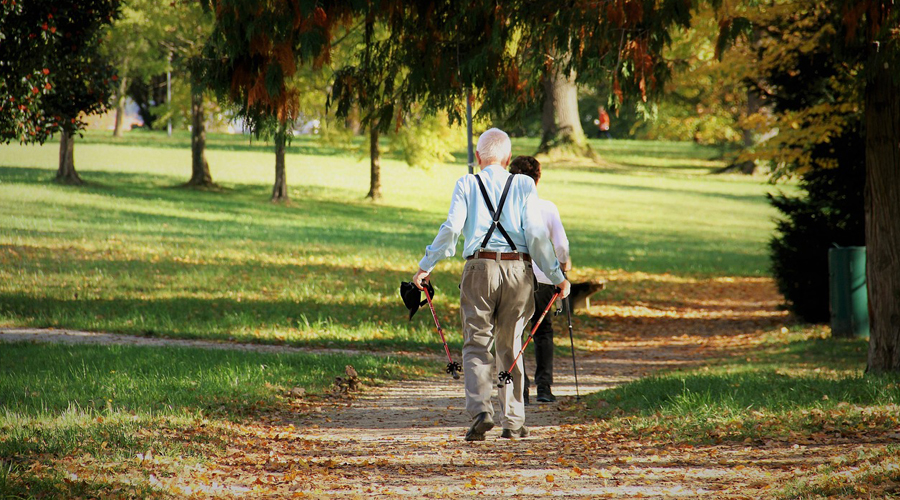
x=494, y=146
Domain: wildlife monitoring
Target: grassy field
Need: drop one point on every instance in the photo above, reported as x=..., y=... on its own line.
x=134, y=253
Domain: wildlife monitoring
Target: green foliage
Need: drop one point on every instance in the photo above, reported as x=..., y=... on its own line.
x=255, y=48
x=446, y=50
x=813, y=96
x=151, y=38
x=134, y=43
x=831, y=213
x=814, y=120
x=426, y=141
x=53, y=71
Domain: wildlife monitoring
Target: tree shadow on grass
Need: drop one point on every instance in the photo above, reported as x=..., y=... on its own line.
x=373, y=319
x=240, y=214
x=319, y=216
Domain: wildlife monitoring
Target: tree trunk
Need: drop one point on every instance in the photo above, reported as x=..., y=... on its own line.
x=120, y=105
x=199, y=166
x=375, y=163
x=753, y=105
x=352, y=121
x=882, y=216
x=279, y=191
x=560, y=121
x=66, y=173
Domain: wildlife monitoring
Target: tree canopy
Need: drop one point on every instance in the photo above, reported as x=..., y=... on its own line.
x=53, y=72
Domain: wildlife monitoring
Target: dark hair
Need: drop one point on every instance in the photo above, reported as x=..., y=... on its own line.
x=527, y=165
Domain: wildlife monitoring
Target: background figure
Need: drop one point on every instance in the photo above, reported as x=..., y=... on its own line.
x=543, y=292
x=602, y=123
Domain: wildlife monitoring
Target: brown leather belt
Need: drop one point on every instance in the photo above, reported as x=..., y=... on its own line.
x=502, y=256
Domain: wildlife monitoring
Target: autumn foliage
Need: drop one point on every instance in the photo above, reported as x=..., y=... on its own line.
x=52, y=73
x=256, y=47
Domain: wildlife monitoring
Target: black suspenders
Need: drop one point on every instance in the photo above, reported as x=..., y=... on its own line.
x=495, y=215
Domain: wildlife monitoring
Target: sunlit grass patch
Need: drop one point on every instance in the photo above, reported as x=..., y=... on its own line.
x=792, y=390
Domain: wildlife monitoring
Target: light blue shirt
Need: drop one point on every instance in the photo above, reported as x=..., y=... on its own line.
x=521, y=217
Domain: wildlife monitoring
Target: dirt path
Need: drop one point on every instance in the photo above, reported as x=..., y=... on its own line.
x=405, y=440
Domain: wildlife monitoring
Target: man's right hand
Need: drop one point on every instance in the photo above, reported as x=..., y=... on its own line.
x=419, y=278
x=565, y=287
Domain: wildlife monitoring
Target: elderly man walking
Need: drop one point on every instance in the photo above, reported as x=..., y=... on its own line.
x=499, y=216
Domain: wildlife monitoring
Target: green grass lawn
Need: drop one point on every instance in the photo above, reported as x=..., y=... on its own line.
x=132, y=252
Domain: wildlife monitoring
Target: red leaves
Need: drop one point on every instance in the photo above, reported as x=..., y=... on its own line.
x=617, y=90
x=615, y=14
x=283, y=53
x=634, y=10
x=319, y=17
x=260, y=44
x=638, y=53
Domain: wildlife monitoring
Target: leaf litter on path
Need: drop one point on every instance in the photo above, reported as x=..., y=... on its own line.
x=405, y=439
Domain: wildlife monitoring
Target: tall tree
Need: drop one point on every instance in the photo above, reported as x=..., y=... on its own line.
x=133, y=46
x=560, y=119
x=53, y=71
x=813, y=103
x=372, y=72
x=187, y=29
x=447, y=49
x=875, y=22
x=252, y=56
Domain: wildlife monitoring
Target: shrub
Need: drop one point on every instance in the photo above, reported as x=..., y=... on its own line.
x=831, y=213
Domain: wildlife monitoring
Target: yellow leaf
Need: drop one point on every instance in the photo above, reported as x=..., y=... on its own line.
x=549, y=478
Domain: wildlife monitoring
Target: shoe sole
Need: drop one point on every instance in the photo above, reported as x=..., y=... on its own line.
x=477, y=431
x=546, y=400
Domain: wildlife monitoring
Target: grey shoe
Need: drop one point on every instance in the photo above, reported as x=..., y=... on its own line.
x=482, y=423
x=520, y=432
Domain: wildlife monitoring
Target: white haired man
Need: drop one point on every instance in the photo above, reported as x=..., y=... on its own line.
x=499, y=216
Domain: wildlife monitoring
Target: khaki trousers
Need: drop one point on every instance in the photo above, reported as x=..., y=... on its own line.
x=496, y=302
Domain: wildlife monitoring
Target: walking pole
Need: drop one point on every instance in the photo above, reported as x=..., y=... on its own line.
x=572, y=342
x=453, y=368
x=506, y=377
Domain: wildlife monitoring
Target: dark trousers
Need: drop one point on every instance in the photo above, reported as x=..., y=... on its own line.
x=543, y=337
